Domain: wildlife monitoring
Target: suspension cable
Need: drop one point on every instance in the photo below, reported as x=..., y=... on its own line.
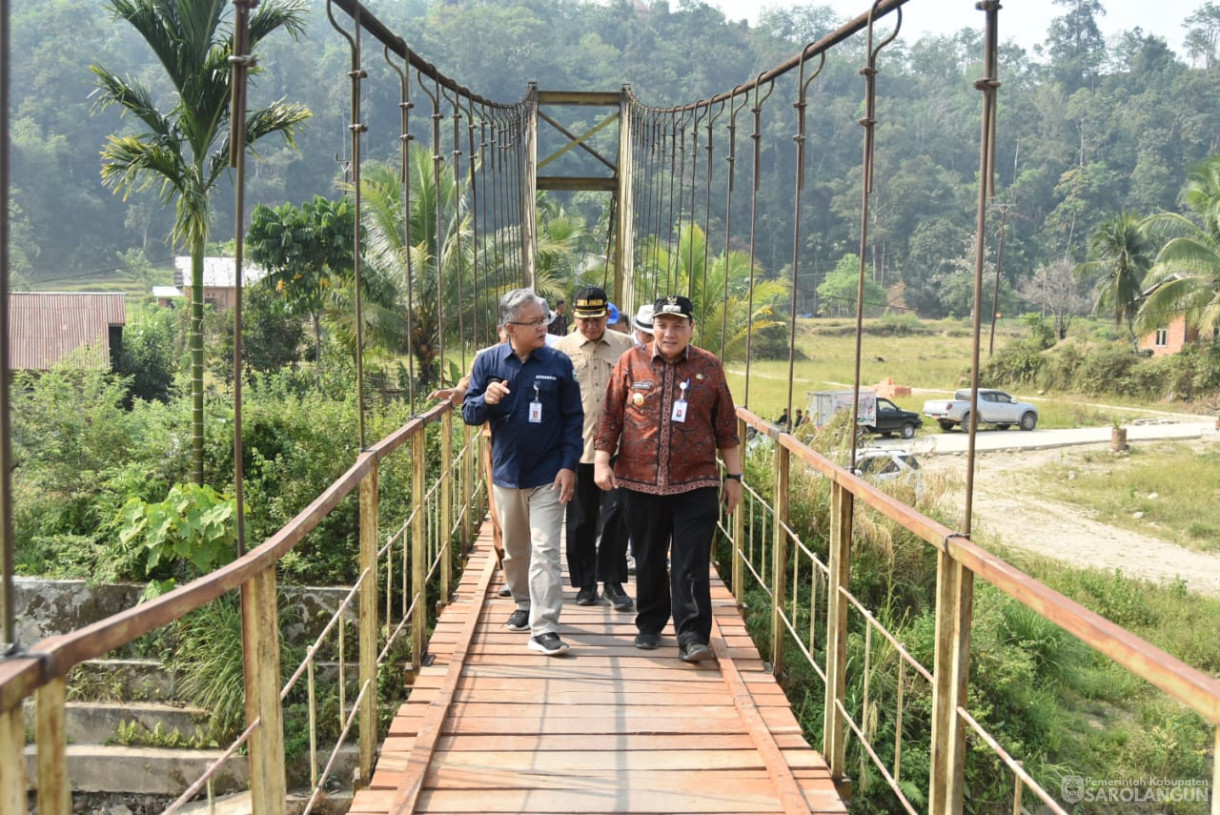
x=241, y=61
x=869, y=123
x=355, y=128
x=800, y=139
x=404, y=175
x=757, y=138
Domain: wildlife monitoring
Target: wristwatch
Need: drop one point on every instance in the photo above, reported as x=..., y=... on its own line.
x=732, y=476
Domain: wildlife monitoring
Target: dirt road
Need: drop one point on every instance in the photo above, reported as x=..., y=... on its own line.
x=1009, y=506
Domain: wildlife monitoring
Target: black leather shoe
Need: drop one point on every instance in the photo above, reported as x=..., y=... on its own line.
x=693, y=652
x=617, y=597
x=586, y=597
x=647, y=642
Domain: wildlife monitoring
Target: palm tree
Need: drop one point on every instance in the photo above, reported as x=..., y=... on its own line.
x=725, y=316
x=186, y=147
x=1185, y=278
x=1120, y=254
x=401, y=265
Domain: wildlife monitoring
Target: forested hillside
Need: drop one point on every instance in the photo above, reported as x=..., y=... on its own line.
x=1086, y=129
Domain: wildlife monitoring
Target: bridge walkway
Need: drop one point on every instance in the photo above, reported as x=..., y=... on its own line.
x=493, y=727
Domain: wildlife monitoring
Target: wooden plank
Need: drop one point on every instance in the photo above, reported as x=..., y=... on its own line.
x=615, y=798
x=608, y=728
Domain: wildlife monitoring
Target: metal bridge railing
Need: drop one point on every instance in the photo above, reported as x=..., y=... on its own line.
x=814, y=614
x=402, y=570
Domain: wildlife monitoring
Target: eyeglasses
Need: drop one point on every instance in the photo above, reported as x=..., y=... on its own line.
x=531, y=324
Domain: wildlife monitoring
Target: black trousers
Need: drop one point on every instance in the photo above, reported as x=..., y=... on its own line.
x=597, y=533
x=688, y=522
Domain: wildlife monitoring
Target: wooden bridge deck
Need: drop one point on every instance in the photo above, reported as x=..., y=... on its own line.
x=494, y=727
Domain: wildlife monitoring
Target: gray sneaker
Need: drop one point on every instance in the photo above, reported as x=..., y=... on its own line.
x=519, y=620
x=549, y=644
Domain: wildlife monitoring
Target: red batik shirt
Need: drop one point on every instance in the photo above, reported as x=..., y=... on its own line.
x=656, y=454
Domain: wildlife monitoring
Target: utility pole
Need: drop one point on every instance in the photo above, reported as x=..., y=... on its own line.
x=999, y=265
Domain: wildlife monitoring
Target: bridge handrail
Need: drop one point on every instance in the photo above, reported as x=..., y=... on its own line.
x=54, y=656
x=1183, y=682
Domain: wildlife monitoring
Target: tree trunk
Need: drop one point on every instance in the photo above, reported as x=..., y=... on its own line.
x=196, y=343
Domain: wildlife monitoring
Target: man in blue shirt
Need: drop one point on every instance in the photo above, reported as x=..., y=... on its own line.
x=528, y=392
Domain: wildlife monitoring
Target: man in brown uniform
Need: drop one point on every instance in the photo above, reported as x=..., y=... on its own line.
x=668, y=410
x=596, y=534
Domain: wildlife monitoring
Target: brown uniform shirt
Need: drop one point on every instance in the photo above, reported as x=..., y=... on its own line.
x=593, y=362
x=658, y=455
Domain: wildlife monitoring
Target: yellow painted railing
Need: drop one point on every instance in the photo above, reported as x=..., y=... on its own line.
x=812, y=607
x=400, y=569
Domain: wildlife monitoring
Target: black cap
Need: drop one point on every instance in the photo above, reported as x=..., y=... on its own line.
x=590, y=302
x=673, y=304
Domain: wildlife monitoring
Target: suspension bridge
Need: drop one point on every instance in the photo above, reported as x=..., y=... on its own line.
x=489, y=727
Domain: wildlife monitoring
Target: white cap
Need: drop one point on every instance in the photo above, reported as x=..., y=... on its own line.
x=643, y=319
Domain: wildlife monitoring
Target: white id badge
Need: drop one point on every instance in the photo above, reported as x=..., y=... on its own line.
x=536, y=412
x=679, y=414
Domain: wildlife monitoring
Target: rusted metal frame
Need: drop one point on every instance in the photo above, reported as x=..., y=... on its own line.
x=456, y=232
x=355, y=127
x=261, y=652
x=8, y=637
x=405, y=138
x=623, y=204
x=869, y=123
x=779, y=556
x=369, y=623
x=739, y=536
x=707, y=219
x=677, y=261
x=954, y=612
x=802, y=85
x=834, y=727
x=419, y=614
x=700, y=113
x=578, y=141
x=731, y=158
x=50, y=723
x=756, y=137
x=1022, y=778
x=988, y=85
x=241, y=61
x=527, y=180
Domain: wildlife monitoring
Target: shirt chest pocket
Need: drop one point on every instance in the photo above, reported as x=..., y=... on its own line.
x=545, y=391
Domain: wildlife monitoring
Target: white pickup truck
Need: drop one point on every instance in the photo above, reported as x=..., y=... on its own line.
x=995, y=408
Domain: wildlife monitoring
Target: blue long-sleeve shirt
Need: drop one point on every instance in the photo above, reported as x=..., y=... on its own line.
x=527, y=454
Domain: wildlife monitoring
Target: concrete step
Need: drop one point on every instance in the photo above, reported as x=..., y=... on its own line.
x=142, y=770
x=98, y=722
x=135, y=680
x=163, y=771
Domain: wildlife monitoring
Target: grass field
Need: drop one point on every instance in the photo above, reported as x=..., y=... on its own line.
x=1146, y=493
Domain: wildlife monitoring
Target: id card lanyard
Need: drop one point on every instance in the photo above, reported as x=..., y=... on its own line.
x=679, y=414
x=536, y=407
